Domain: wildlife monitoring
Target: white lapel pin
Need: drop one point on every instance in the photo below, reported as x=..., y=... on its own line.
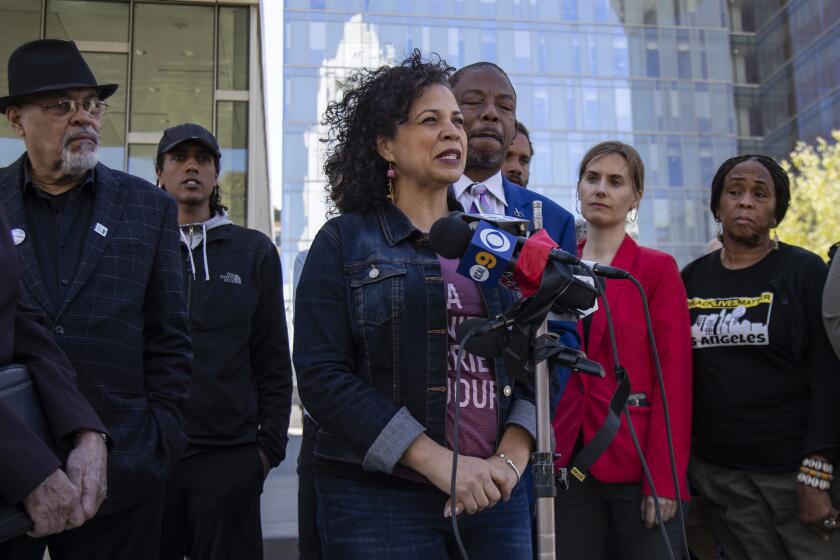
x=18, y=235
x=100, y=229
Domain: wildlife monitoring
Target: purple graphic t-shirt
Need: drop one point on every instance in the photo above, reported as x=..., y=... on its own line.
x=477, y=390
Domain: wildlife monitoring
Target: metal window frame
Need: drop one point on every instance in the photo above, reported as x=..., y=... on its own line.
x=257, y=174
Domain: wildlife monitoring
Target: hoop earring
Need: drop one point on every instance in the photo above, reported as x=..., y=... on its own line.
x=577, y=206
x=718, y=230
x=390, y=174
x=633, y=215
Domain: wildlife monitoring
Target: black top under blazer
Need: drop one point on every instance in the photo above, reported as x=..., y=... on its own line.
x=25, y=459
x=122, y=323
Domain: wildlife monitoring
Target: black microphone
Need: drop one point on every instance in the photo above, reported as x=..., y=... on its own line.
x=486, y=335
x=606, y=271
x=451, y=236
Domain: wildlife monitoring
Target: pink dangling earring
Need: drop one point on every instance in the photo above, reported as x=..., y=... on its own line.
x=390, y=174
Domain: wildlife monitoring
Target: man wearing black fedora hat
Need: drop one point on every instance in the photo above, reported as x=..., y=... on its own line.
x=98, y=253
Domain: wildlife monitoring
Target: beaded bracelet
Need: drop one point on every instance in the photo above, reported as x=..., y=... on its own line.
x=819, y=474
x=813, y=481
x=818, y=464
x=816, y=473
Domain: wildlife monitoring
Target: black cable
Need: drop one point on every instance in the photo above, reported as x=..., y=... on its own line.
x=660, y=379
x=453, y=500
x=616, y=364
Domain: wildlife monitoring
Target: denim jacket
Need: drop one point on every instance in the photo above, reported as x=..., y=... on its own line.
x=371, y=341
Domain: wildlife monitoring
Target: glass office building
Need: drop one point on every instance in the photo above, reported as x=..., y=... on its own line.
x=653, y=73
x=174, y=62
x=786, y=62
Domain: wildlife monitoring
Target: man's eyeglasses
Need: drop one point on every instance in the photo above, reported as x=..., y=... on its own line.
x=94, y=107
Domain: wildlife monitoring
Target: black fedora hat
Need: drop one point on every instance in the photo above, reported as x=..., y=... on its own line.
x=49, y=65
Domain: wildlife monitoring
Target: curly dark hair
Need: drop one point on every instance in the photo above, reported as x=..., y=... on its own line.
x=216, y=206
x=375, y=101
x=781, y=182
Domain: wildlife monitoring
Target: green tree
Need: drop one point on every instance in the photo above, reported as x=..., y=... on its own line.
x=813, y=219
x=234, y=192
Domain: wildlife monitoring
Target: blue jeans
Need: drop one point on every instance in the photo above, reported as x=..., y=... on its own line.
x=362, y=520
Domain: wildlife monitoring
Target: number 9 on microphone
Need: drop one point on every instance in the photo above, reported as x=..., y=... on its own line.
x=488, y=255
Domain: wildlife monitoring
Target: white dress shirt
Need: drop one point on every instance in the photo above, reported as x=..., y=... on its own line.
x=495, y=193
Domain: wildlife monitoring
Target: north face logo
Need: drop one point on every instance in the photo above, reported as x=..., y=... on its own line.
x=231, y=278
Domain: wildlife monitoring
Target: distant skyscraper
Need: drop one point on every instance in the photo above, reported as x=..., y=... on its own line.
x=786, y=62
x=689, y=83
x=658, y=77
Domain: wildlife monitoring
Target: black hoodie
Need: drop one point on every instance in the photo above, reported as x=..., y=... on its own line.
x=241, y=387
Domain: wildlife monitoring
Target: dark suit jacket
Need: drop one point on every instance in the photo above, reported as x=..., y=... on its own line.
x=25, y=460
x=558, y=222
x=122, y=324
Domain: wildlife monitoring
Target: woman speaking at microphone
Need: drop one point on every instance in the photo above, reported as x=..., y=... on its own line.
x=611, y=514
x=376, y=311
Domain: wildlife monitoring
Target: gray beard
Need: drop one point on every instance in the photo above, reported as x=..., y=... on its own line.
x=485, y=160
x=80, y=162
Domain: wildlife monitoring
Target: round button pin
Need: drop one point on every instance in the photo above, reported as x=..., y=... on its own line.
x=507, y=390
x=374, y=272
x=18, y=235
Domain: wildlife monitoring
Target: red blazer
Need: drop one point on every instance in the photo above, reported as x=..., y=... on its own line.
x=586, y=399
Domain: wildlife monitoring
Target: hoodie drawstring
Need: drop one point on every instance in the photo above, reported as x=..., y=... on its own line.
x=193, y=240
x=188, y=243
x=203, y=253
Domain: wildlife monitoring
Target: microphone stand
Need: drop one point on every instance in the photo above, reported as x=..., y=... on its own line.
x=542, y=461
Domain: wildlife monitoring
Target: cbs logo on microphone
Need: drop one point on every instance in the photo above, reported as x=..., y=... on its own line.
x=495, y=242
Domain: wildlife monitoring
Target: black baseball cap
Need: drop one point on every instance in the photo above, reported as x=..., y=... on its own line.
x=185, y=132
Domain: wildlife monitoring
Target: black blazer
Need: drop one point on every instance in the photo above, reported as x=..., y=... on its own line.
x=122, y=324
x=25, y=460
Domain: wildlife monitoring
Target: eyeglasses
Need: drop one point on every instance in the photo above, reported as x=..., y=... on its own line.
x=94, y=107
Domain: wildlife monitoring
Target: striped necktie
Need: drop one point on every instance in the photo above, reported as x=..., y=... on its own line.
x=481, y=199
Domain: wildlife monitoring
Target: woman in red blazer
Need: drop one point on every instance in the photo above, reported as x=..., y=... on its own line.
x=611, y=515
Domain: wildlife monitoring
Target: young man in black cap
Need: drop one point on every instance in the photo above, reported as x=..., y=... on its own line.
x=98, y=253
x=237, y=413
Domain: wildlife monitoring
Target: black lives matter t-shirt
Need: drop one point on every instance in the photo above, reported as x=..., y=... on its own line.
x=750, y=399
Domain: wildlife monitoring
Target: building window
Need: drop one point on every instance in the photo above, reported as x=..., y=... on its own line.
x=21, y=23
x=141, y=161
x=101, y=22
x=112, y=68
x=232, y=64
x=232, y=134
x=172, y=69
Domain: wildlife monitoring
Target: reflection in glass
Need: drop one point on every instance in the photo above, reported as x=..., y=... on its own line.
x=233, y=48
x=141, y=161
x=110, y=68
x=87, y=21
x=232, y=135
x=21, y=22
x=172, y=66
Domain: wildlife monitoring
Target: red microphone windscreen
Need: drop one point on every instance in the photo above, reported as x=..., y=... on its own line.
x=530, y=264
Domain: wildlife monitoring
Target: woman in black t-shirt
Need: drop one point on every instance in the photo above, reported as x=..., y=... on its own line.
x=766, y=381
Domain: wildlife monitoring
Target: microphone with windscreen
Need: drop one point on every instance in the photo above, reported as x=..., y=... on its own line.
x=487, y=253
x=451, y=236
